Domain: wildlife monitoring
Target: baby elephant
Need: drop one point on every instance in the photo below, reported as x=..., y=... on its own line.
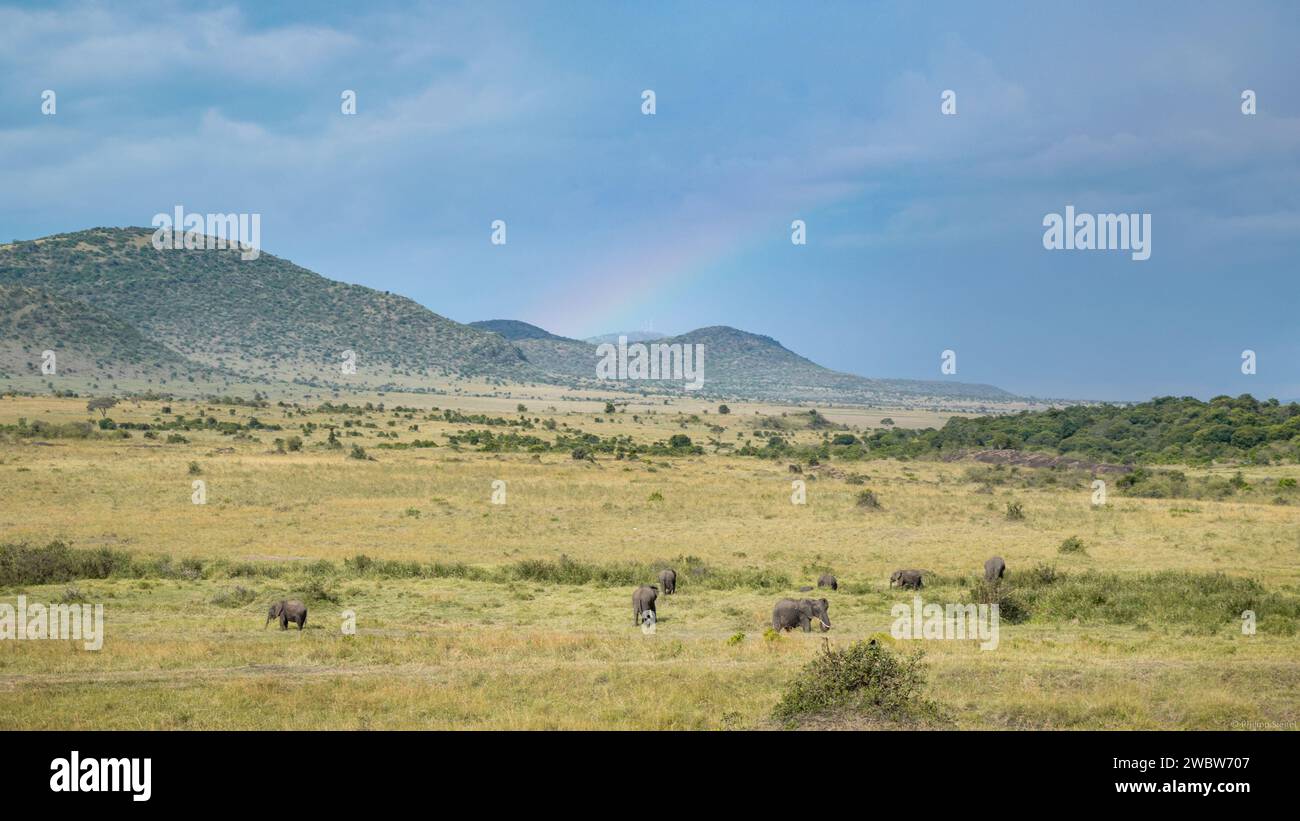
x=994, y=568
x=827, y=580
x=906, y=578
x=789, y=614
x=668, y=578
x=643, y=601
x=287, y=611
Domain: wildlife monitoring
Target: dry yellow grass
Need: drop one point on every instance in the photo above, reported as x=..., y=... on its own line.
x=450, y=652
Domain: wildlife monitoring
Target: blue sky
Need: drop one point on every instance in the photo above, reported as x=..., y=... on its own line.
x=924, y=231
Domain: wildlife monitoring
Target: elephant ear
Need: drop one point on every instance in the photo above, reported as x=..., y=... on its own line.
x=825, y=604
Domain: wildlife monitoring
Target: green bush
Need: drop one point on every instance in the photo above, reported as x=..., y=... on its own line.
x=863, y=681
x=1072, y=545
x=237, y=596
x=22, y=564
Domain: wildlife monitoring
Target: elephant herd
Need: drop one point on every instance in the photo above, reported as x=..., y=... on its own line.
x=786, y=615
x=791, y=613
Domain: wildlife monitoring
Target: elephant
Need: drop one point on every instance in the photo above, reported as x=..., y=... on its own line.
x=827, y=580
x=287, y=611
x=906, y=578
x=994, y=568
x=789, y=614
x=643, y=601
x=668, y=578
x=807, y=588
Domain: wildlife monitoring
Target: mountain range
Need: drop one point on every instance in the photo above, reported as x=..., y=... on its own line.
x=112, y=307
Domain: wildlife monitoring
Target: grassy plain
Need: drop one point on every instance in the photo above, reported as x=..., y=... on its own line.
x=504, y=652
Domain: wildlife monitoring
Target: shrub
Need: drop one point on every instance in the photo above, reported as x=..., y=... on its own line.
x=237, y=596
x=359, y=563
x=1072, y=545
x=656, y=497
x=869, y=500
x=317, y=590
x=864, y=680
x=1015, y=512
x=1011, y=606
x=21, y=564
x=195, y=469
x=358, y=452
x=1043, y=575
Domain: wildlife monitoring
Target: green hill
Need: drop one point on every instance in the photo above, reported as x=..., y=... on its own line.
x=514, y=330
x=752, y=366
x=262, y=319
x=186, y=313
x=86, y=341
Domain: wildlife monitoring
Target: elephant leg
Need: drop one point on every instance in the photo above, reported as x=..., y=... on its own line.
x=284, y=622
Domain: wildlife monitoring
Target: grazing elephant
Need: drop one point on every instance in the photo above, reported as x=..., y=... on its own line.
x=906, y=578
x=287, y=611
x=827, y=580
x=668, y=578
x=789, y=614
x=994, y=568
x=643, y=601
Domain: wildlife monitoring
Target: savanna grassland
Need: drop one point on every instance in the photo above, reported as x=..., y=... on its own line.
x=471, y=614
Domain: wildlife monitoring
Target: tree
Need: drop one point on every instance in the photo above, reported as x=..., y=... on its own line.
x=102, y=404
x=724, y=410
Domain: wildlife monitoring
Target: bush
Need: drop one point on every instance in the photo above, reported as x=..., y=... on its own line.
x=1072, y=545
x=237, y=596
x=317, y=590
x=1011, y=606
x=21, y=564
x=1015, y=512
x=863, y=681
x=359, y=563
x=869, y=500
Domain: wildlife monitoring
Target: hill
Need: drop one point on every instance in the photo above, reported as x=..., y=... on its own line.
x=631, y=336
x=192, y=313
x=752, y=366
x=514, y=330
x=264, y=319
x=86, y=341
